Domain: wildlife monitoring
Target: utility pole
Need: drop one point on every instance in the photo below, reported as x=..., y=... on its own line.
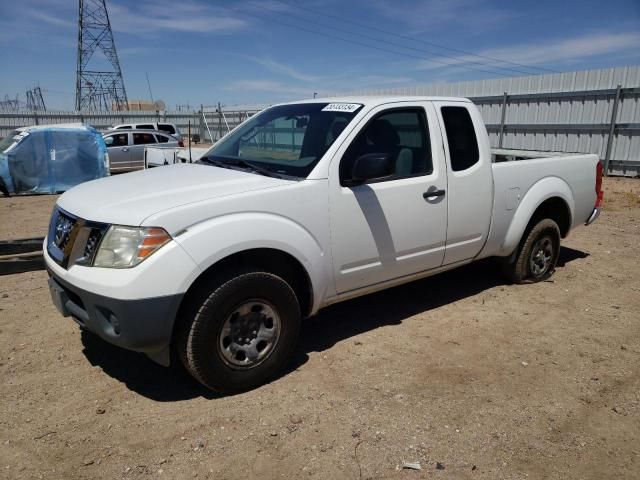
x=97, y=90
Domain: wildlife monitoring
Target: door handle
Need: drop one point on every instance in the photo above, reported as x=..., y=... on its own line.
x=125, y=149
x=433, y=193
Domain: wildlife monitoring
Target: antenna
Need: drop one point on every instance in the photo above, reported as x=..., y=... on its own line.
x=149, y=85
x=97, y=90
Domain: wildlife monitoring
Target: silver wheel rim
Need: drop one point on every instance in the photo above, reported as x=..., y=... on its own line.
x=541, y=256
x=249, y=334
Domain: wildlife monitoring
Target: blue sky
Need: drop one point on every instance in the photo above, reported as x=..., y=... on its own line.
x=198, y=51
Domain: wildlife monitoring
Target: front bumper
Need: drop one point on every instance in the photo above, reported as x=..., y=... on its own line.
x=593, y=217
x=143, y=325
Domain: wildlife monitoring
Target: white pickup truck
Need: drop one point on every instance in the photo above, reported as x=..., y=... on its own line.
x=304, y=205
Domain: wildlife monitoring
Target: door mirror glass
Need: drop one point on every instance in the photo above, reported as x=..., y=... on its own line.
x=108, y=141
x=371, y=166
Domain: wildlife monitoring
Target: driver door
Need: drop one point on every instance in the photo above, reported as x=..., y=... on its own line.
x=396, y=226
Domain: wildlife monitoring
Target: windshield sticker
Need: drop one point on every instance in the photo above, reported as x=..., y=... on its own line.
x=342, y=107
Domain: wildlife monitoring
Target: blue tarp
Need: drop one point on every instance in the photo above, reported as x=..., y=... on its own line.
x=51, y=159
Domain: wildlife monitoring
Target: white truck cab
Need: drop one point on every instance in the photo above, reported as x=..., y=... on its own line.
x=304, y=205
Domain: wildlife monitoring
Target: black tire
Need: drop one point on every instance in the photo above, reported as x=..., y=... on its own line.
x=268, y=301
x=528, y=264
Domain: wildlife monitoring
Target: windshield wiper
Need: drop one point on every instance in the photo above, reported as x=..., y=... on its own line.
x=211, y=161
x=255, y=168
x=243, y=164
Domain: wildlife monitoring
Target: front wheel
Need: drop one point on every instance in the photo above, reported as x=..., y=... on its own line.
x=240, y=332
x=537, y=255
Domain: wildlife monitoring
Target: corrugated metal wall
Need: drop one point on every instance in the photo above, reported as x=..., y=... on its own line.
x=568, y=112
x=550, y=120
x=217, y=124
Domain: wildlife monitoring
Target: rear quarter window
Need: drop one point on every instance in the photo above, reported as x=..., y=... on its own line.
x=143, y=138
x=461, y=138
x=165, y=127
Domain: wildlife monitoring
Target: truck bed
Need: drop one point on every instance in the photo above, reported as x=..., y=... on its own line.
x=510, y=155
x=519, y=177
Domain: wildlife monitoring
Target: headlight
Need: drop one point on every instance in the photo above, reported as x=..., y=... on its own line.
x=126, y=247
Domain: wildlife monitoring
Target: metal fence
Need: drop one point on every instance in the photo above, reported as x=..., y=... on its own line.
x=617, y=143
x=209, y=125
x=592, y=111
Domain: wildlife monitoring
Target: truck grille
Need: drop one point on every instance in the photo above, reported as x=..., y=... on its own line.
x=62, y=230
x=73, y=240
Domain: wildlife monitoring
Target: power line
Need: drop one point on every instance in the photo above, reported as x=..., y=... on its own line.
x=367, y=45
x=395, y=44
x=419, y=40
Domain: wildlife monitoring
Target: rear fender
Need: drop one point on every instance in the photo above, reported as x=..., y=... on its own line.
x=544, y=189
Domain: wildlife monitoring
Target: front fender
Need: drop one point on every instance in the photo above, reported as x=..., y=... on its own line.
x=217, y=238
x=544, y=189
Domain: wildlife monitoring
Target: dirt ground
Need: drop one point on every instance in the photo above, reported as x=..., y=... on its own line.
x=473, y=378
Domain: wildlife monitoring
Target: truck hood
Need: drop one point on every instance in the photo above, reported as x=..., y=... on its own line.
x=127, y=199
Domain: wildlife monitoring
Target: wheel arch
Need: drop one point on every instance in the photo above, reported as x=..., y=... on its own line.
x=550, y=198
x=271, y=260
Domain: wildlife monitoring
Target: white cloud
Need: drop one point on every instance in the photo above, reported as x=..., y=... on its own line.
x=161, y=16
x=50, y=19
x=382, y=80
x=270, y=86
x=282, y=68
x=476, y=14
x=567, y=51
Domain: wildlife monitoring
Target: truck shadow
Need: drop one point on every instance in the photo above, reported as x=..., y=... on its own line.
x=332, y=325
x=392, y=306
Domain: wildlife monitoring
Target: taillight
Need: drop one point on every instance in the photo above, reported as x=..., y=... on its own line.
x=598, y=185
x=180, y=143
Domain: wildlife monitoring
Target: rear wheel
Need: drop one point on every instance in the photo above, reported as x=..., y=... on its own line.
x=537, y=255
x=238, y=333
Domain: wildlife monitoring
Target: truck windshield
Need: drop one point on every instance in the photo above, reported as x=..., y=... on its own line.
x=285, y=140
x=10, y=141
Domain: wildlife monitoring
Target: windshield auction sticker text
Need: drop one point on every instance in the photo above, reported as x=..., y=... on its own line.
x=342, y=107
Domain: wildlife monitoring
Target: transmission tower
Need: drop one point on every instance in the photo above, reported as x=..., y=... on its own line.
x=35, y=100
x=97, y=90
x=9, y=104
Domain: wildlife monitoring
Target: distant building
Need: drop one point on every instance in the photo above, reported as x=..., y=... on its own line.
x=143, y=105
x=140, y=106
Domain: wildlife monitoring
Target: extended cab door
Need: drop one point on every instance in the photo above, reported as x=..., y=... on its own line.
x=395, y=226
x=470, y=191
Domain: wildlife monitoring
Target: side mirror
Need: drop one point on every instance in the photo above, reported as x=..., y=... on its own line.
x=108, y=141
x=371, y=166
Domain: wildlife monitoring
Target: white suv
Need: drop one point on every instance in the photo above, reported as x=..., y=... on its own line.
x=169, y=128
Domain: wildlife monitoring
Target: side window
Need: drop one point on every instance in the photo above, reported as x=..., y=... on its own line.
x=461, y=137
x=118, y=140
x=401, y=133
x=165, y=127
x=162, y=139
x=143, y=138
x=146, y=127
